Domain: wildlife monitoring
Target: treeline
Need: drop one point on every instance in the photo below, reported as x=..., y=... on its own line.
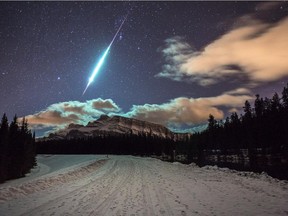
x=123, y=144
x=17, y=149
x=262, y=129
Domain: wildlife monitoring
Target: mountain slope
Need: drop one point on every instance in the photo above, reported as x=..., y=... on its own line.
x=114, y=126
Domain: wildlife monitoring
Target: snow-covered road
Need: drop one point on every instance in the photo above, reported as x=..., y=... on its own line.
x=126, y=185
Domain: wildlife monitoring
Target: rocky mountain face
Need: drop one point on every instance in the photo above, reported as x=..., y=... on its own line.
x=116, y=125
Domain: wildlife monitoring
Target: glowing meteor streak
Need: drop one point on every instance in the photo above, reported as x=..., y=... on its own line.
x=101, y=61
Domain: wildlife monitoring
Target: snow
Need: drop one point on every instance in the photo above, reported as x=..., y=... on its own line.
x=115, y=124
x=127, y=185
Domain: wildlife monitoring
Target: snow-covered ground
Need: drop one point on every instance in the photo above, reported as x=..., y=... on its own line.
x=126, y=185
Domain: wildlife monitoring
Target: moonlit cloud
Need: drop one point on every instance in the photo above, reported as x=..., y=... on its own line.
x=239, y=91
x=176, y=53
x=252, y=50
x=264, y=6
x=187, y=111
x=177, y=112
x=255, y=50
x=62, y=114
x=107, y=104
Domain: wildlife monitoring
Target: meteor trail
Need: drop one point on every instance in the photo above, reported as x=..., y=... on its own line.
x=101, y=61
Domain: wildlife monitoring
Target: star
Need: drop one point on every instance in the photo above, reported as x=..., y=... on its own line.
x=50, y=48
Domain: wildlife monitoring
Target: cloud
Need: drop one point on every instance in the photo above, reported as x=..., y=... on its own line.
x=107, y=104
x=267, y=6
x=177, y=113
x=239, y=91
x=62, y=114
x=184, y=111
x=51, y=117
x=255, y=49
x=176, y=53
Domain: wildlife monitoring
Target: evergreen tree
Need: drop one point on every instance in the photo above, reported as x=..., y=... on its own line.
x=212, y=123
x=247, y=111
x=234, y=119
x=275, y=103
x=4, y=160
x=285, y=97
x=267, y=105
x=13, y=148
x=227, y=122
x=259, y=106
x=17, y=149
x=13, y=129
x=262, y=133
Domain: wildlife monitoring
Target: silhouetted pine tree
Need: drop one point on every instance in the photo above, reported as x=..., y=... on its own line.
x=4, y=157
x=17, y=149
x=259, y=106
x=262, y=129
x=285, y=97
x=247, y=111
x=14, y=151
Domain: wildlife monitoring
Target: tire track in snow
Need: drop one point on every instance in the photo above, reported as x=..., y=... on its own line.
x=92, y=198
x=110, y=190
x=174, y=180
x=158, y=203
x=77, y=195
x=132, y=186
x=130, y=198
x=47, y=182
x=149, y=210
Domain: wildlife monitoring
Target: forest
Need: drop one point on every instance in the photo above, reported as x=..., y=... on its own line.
x=255, y=140
x=260, y=134
x=257, y=137
x=17, y=149
x=105, y=143
x=262, y=127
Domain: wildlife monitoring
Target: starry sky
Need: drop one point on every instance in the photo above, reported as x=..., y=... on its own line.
x=172, y=63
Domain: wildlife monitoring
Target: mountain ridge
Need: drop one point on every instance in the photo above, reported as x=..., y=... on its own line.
x=115, y=125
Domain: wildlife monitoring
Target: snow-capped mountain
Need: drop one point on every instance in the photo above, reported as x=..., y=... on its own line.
x=116, y=125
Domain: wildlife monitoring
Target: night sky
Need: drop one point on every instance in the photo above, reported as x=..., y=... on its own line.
x=172, y=63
